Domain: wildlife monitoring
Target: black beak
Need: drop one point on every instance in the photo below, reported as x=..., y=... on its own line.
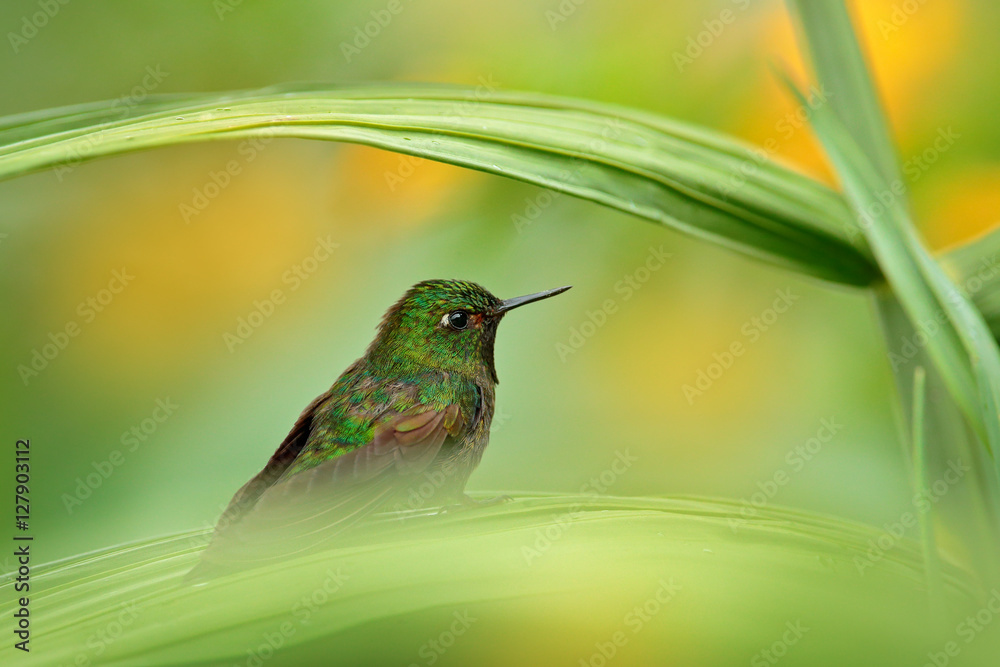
x=517, y=301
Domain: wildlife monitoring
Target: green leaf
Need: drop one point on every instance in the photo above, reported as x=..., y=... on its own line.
x=975, y=267
x=827, y=34
x=542, y=577
x=972, y=514
x=943, y=327
x=922, y=482
x=958, y=337
x=929, y=298
x=953, y=333
x=690, y=179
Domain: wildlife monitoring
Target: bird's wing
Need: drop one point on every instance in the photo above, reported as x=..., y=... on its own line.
x=402, y=444
x=316, y=499
x=293, y=444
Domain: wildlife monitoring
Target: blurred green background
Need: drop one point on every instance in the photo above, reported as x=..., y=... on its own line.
x=561, y=418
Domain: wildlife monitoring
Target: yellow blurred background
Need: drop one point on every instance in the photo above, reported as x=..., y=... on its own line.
x=561, y=418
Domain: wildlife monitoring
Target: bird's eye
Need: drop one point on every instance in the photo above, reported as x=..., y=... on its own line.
x=458, y=319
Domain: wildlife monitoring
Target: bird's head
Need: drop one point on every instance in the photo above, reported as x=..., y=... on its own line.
x=448, y=325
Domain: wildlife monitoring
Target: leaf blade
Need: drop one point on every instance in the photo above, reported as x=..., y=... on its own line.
x=657, y=169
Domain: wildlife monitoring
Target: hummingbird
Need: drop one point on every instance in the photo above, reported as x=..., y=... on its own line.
x=416, y=407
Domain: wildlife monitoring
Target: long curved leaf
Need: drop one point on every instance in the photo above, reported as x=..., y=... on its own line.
x=702, y=182
x=539, y=579
x=690, y=179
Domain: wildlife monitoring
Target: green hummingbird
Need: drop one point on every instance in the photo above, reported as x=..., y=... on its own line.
x=416, y=407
